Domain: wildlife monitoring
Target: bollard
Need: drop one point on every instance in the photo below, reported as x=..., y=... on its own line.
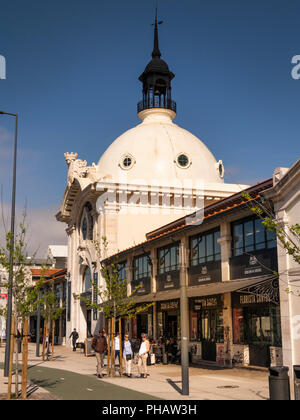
x=297, y=382
x=279, y=383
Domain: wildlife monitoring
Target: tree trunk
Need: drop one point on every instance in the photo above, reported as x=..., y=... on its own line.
x=11, y=337
x=121, y=355
x=44, y=338
x=25, y=358
x=53, y=330
x=17, y=341
x=108, y=349
x=48, y=338
x=113, y=346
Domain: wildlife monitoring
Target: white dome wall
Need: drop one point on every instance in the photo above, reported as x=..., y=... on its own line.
x=155, y=144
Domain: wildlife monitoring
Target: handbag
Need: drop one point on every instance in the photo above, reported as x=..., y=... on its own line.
x=128, y=356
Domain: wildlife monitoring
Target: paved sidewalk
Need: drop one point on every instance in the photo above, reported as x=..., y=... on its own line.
x=71, y=372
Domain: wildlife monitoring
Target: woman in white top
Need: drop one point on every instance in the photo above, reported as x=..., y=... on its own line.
x=117, y=347
x=143, y=354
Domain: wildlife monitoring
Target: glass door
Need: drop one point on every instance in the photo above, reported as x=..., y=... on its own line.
x=208, y=328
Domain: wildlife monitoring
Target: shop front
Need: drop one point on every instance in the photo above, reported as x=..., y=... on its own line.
x=256, y=325
x=168, y=319
x=142, y=323
x=206, y=327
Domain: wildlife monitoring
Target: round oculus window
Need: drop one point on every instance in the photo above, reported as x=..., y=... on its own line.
x=127, y=162
x=183, y=160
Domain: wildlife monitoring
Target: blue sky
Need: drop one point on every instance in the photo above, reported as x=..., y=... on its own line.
x=72, y=75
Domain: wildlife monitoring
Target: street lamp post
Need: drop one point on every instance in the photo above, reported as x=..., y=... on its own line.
x=38, y=334
x=11, y=253
x=184, y=323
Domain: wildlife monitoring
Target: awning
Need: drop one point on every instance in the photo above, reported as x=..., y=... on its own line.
x=226, y=286
x=206, y=289
x=159, y=296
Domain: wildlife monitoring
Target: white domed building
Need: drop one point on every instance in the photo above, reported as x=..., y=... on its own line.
x=150, y=176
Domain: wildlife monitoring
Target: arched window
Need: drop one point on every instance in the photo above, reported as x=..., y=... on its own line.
x=87, y=280
x=87, y=224
x=84, y=228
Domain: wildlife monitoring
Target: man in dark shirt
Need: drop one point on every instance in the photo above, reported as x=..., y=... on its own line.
x=99, y=344
x=74, y=336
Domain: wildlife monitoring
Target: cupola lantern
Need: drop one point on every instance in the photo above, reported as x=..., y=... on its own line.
x=156, y=80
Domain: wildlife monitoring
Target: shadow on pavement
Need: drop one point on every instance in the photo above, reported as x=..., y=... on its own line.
x=173, y=384
x=44, y=383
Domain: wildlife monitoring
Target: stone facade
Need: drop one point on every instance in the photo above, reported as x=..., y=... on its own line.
x=122, y=204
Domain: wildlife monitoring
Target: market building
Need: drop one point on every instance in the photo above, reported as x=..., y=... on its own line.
x=52, y=269
x=285, y=195
x=58, y=278
x=229, y=261
x=149, y=176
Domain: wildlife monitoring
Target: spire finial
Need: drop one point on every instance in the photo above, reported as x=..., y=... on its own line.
x=156, y=52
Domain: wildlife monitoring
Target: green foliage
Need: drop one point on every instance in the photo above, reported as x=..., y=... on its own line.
x=27, y=297
x=14, y=259
x=289, y=237
x=114, y=299
x=44, y=299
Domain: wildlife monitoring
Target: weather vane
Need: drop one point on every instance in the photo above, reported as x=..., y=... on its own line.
x=156, y=23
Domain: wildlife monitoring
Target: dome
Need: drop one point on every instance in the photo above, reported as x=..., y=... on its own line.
x=157, y=65
x=159, y=152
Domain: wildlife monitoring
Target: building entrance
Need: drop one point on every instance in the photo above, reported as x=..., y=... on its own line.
x=207, y=325
x=170, y=325
x=209, y=330
x=256, y=324
x=168, y=321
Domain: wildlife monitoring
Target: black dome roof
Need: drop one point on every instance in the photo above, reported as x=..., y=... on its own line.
x=157, y=65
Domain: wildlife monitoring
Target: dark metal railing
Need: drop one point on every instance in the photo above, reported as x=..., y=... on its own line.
x=156, y=103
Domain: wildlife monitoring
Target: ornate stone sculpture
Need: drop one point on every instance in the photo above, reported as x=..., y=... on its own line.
x=82, y=256
x=77, y=167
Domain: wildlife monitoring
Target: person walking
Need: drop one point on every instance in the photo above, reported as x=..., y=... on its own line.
x=117, y=349
x=143, y=354
x=3, y=334
x=127, y=355
x=99, y=344
x=75, y=336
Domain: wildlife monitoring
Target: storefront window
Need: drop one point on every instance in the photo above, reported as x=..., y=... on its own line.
x=211, y=325
x=168, y=320
x=168, y=258
x=206, y=323
x=205, y=248
x=257, y=325
x=250, y=235
x=142, y=324
x=122, y=271
x=238, y=326
x=142, y=267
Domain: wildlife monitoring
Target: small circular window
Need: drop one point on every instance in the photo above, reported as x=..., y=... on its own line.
x=127, y=162
x=183, y=160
